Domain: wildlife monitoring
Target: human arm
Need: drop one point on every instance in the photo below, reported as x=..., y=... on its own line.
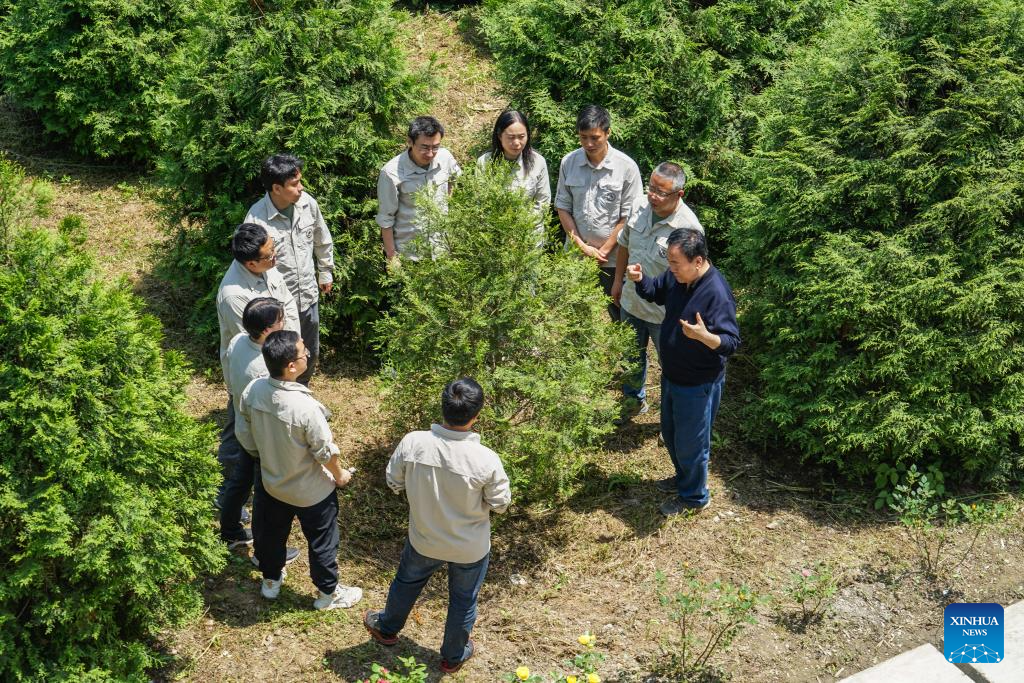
x=394, y=476
x=723, y=335
x=243, y=423
x=323, y=250
x=564, y=204
x=569, y=225
x=648, y=288
x=387, y=211
x=320, y=443
x=621, y=259
x=497, y=490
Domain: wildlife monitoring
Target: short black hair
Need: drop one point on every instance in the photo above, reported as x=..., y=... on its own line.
x=279, y=351
x=261, y=313
x=461, y=401
x=247, y=241
x=424, y=125
x=691, y=242
x=279, y=169
x=593, y=116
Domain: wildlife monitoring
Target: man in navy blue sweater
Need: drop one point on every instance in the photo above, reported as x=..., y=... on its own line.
x=700, y=331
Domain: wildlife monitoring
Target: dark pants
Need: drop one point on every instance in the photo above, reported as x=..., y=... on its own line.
x=464, y=582
x=238, y=480
x=228, y=451
x=687, y=414
x=607, y=279
x=272, y=520
x=635, y=384
x=309, y=324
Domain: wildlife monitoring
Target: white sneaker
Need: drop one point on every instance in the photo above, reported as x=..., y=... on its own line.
x=343, y=597
x=270, y=588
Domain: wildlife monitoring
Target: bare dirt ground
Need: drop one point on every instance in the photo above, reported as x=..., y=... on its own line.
x=587, y=564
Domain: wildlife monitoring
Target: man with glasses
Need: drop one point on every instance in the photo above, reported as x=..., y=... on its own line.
x=250, y=275
x=424, y=163
x=644, y=240
x=305, y=249
x=299, y=472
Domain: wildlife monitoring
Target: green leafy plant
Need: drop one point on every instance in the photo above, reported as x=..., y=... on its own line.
x=583, y=666
x=888, y=477
x=89, y=68
x=105, y=481
x=812, y=589
x=327, y=81
x=879, y=245
x=707, y=615
x=529, y=326
x=932, y=523
x=414, y=672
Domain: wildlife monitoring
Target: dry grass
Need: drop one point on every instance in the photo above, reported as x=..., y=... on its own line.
x=587, y=564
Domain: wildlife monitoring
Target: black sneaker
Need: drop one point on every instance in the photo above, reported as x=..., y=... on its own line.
x=241, y=541
x=666, y=485
x=290, y=555
x=676, y=505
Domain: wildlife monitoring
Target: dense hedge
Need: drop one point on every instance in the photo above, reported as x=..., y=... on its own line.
x=89, y=67
x=882, y=243
x=105, y=483
x=673, y=75
x=326, y=80
x=532, y=328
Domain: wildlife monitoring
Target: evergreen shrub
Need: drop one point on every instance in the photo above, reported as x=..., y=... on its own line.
x=325, y=80
x=673, y=74
x=530, y=327
x=105, y=481
x=882, y=241
x=89, y=68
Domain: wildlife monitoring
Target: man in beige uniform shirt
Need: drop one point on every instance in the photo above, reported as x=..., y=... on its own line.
x=453, y=483
x=424, y=163
x=597, y=188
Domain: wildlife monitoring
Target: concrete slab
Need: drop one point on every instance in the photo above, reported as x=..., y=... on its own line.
x=923, y=663
x=1011, y=669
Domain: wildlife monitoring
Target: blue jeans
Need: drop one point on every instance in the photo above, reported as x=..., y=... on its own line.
x=464, y=582
x=635, y=384
x=687, y=414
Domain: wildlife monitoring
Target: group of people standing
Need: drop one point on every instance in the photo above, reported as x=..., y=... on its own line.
x=277, y=443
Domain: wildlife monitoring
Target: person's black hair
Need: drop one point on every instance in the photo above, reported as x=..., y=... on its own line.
x=279, y=169
x=593, y=116
x=279, y=351
x=247, y=241
x=461, y=401
x=260, y=314
x=424, y=125
x=690, y=241
x=674, y=172
x=506, y=119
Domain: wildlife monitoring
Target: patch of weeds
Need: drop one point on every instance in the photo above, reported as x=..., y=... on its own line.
x=811, y=589
x=414, y=672
x=583, y=667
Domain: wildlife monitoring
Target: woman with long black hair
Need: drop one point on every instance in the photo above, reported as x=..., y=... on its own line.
x=510, y=141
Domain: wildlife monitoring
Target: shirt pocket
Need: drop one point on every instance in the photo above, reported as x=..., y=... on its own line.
x=609, y=196
x=659, y=248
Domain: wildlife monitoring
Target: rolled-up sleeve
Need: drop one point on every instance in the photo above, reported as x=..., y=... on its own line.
x=497, y=491
x=319, y=439
x=323, y=247
x=387, y=200
x=563, y=197
x=243, y=423
x=395, y=473
x=632, y=190
x=543, y=196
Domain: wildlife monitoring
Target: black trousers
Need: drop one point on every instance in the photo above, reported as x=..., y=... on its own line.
x=272, y=521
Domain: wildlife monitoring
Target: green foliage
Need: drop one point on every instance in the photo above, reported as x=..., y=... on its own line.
x=414, y=672
x=673, y=76
x=530, y=327
x=888, y=477
x=583, y=667
x=105, y=483
x=707, y=617
x=89, y=68
x=812, y=589
x=881, y=243
x=326, y=81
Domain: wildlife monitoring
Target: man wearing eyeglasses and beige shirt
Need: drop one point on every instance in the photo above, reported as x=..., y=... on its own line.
x=423, y=162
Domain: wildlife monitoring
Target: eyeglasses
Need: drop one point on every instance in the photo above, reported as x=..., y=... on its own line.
x=305, y=354
x=659, y=194
x=428, y=148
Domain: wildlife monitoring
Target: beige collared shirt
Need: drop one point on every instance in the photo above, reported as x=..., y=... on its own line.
x=599, y=196
x=397, y=185
x=646, y=236
x=298, y=242
x=287, y=429
x=238, y=287
x=536, y=184
x=243, y=363
x=453, y=483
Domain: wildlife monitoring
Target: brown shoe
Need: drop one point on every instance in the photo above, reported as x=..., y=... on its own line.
x=452, y=668
x=371, y=620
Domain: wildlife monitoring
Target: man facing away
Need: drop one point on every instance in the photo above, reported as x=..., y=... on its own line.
x=645, y=241
x=597, y=188
x=250, y=275
x=286, y=428
x=699, y=333
x=305, y=249
x=453, y=483
x=423, y=163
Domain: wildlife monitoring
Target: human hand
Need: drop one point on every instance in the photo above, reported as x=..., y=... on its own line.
x=696, y=331
x=635, y=272
x=346, y=477
x=327, y=287
x=617, y=292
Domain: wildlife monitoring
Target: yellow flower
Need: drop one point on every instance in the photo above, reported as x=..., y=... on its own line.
x=974, y=506
x=523, y=673
x=583, y=639
x=570, y=679
x=593, y=678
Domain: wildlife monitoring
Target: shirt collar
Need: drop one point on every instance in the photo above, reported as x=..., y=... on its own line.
x=606, y=162
x=452, y=434
x=406, y=163
x=247, y=276
x=289, y=386
x=676, y=219
x=271, y=211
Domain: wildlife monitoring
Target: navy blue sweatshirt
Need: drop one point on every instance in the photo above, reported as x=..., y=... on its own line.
x=687, y=361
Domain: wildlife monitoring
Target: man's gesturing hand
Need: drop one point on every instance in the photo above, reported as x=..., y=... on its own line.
x=634, y=272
